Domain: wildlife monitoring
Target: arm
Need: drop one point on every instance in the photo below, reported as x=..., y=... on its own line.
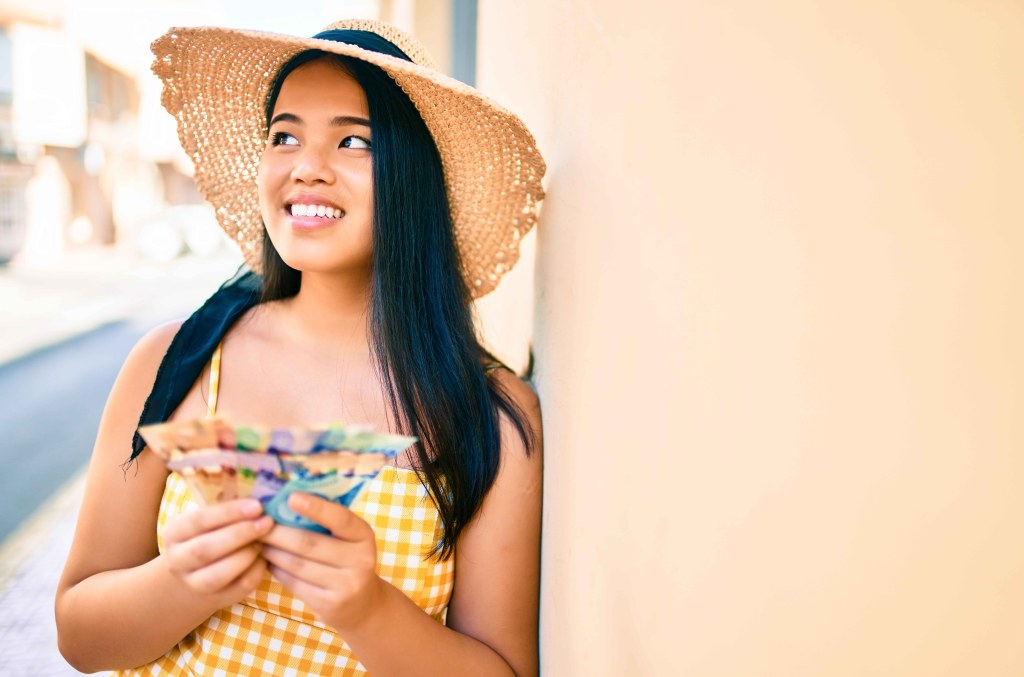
x=492, y=617
x=119, y=604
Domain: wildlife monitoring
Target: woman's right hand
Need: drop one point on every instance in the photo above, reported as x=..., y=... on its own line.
x=215, y=550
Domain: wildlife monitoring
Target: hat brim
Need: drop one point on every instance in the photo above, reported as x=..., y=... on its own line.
x=216, y=82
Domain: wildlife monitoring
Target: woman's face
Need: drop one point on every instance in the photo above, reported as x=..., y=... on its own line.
x=315, y=177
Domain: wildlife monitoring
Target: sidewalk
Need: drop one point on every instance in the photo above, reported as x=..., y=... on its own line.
x=42, y=306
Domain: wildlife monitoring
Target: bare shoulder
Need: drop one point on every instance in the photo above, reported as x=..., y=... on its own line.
x=135, y=380
x=519, y=477
x=150, y=349
x=131, y=388
x=520, y=391
x=525, y=399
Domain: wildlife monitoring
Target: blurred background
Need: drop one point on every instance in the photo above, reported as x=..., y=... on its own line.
x=775, y=300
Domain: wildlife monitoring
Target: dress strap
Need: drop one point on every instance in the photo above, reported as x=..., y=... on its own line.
x=214, y=380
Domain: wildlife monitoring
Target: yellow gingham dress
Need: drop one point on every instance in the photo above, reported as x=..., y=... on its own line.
x=270, y=631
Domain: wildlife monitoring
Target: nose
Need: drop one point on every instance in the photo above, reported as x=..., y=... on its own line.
x=312, y=166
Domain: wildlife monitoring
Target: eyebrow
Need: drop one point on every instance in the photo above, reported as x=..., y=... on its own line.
x=337, y=121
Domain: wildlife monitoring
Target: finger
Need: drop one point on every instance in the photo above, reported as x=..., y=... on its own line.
x=322, y=548
x=308, y=570
x=322, y=574
x=300, y=588
x=298, y=540
x=336, y=518
x=209, y=547
x=220, y=574
x=211, y=517
x=249, y=579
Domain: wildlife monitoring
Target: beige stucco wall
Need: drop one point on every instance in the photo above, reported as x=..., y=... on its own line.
x=779, y=320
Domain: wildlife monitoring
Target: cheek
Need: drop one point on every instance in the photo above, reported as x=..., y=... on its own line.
x=264, y=187
x=369, y=187
x=360, y=182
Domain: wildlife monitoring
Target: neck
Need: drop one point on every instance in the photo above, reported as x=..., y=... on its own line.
x=330, y=311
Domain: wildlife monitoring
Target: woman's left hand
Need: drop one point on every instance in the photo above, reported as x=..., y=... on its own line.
x=334, y=574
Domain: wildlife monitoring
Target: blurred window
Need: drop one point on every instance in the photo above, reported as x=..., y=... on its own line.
x=13, y=183
x=93, y=81
x=464, y=41
x=110, y=93
x=6, y=70
x=7, y=148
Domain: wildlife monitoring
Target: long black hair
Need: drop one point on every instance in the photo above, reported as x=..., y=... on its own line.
x=435, y=373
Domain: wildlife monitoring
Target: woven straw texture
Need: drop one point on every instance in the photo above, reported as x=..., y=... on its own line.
x=216, y=82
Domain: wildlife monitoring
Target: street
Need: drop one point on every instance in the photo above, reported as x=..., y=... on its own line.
x=53, y=400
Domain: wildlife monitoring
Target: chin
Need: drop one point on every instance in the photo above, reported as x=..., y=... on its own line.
x=318, y=264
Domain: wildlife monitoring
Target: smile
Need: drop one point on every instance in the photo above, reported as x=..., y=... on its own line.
x=322, y=211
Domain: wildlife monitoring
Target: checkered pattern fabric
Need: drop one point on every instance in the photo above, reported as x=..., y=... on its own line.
x=272, y=633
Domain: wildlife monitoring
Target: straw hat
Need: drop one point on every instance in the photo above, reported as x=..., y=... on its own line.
x=216, y=82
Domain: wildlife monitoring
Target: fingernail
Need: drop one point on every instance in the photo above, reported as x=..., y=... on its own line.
x=251, y=508
x=298, y=501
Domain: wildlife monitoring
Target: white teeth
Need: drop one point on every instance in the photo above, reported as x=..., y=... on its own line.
x=315, y=210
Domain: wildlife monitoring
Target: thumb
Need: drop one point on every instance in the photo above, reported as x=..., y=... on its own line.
x=336, y=518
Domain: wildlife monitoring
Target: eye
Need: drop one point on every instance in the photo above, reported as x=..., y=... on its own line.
x=356, y=142
x=283, y=139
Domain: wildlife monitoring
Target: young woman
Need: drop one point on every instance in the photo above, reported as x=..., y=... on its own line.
x=375, y=198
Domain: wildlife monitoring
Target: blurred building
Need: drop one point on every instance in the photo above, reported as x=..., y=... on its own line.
x=62, y=135
x=14, y=175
